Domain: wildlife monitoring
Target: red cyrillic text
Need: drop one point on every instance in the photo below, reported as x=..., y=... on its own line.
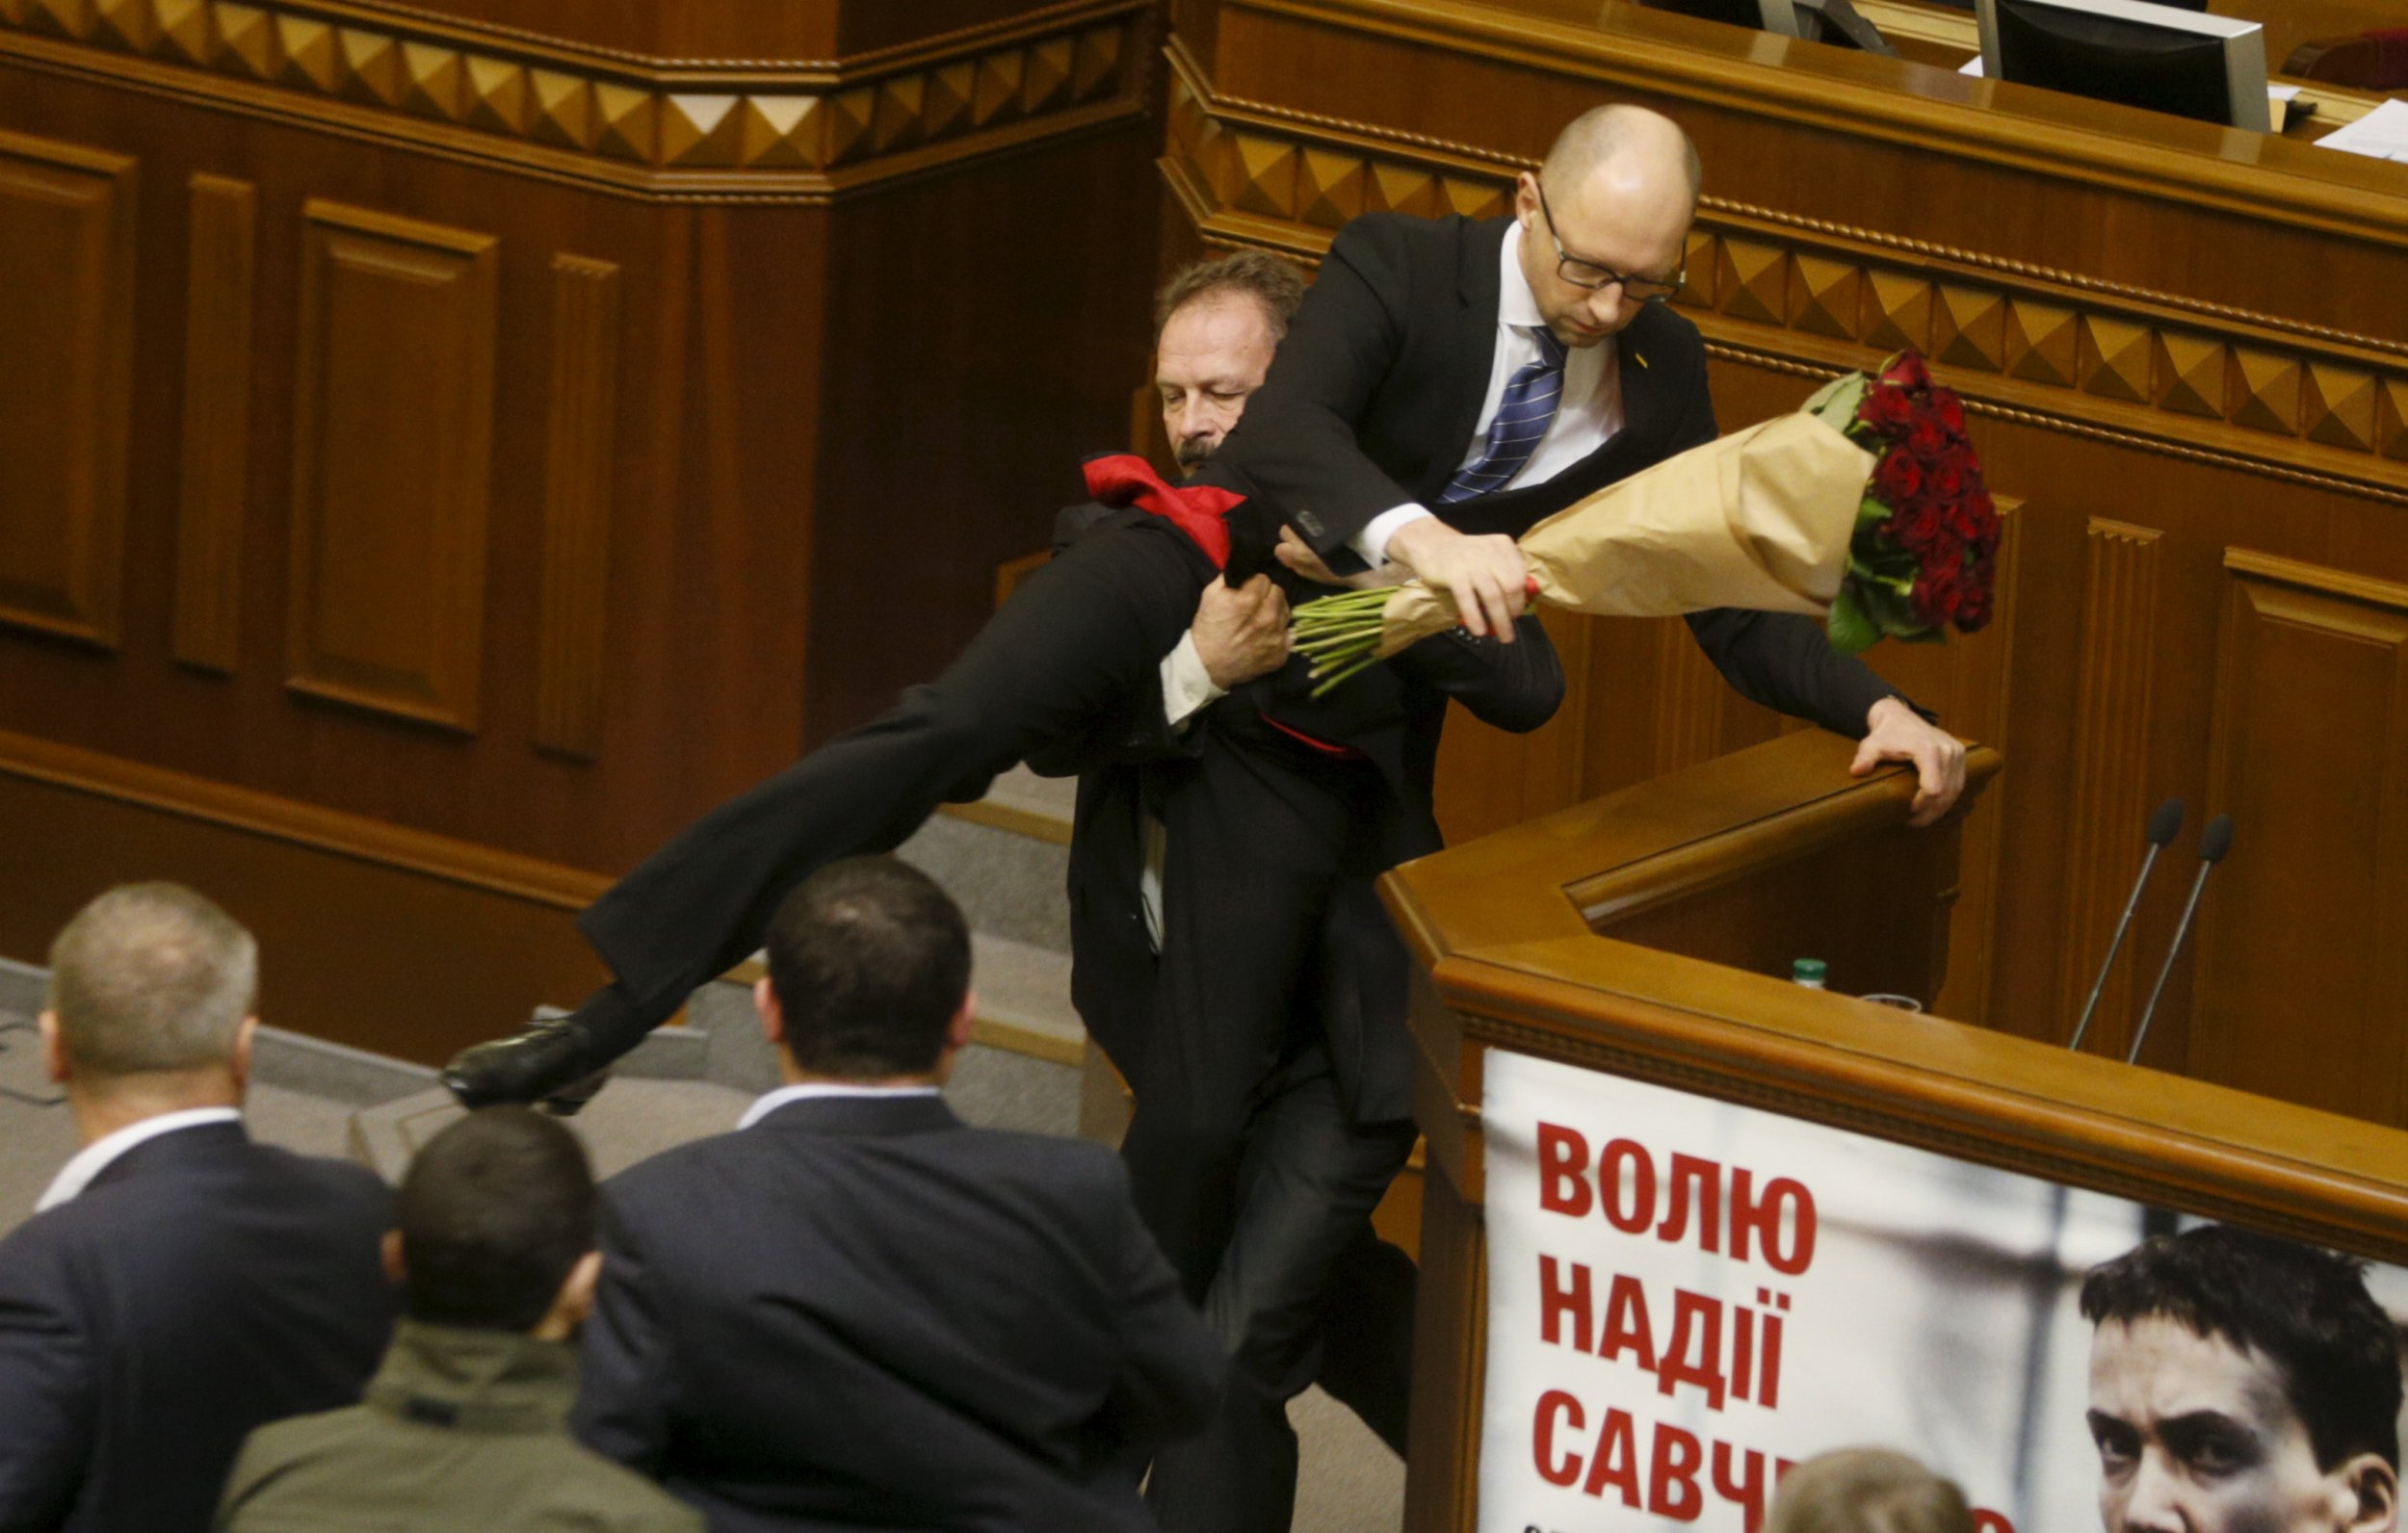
x=1716, y=1207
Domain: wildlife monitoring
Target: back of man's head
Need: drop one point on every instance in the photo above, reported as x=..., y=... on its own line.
x=495, y=1212
x=1867, y=1490
x=150, y=978
x=869, y=962
x=2304, y=1309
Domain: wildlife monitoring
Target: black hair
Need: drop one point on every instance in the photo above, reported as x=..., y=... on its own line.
x=495, y=1211
x=869, y=961
x=2306, y=1308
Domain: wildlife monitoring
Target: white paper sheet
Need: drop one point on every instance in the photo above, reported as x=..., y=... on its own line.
x=2382, y=134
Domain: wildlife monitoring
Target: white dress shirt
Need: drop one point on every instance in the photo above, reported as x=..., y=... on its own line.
x=808, y=1090
x=1590, y=414
x=102, y=1153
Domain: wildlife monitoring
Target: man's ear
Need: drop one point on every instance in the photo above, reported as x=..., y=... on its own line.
x=2368, y=1490
x=773, y=1015
x=238, y=1058
x=1526, y=198
x=390, y=1249
x=966, y=1023
x=54, y=1060
x=576, y=1300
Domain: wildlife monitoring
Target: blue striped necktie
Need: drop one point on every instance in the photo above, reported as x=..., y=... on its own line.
x=1524, y=413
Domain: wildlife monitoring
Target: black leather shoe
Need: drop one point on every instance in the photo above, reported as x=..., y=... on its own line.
x=546, y=1064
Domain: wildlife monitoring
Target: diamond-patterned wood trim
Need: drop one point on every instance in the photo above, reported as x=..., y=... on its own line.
x=1331, y=190
x=2266, y=390
x=1969, y=327
x=2190, y=374
x=1823, y=295
x=1072, y=67
x=1897, y=313
x=1755, y=279
x=2116, y=359
x=2338, y=407
x=2043, y=342
x=2391, y=418
x=1701, y=276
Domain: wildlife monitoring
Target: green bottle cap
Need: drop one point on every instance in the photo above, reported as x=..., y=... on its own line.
x=1808, y=971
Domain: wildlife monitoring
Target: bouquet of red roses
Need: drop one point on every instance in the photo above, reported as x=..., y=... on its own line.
x=1864, y=507
x=1926, y=539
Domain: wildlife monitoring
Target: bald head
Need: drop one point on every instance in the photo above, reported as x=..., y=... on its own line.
x=1638, y=151
x=1605, y=222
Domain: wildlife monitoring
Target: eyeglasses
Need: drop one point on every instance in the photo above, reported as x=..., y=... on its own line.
x=1590, y=275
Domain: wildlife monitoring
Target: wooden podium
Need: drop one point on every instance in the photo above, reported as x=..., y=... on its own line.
x=1647, y=935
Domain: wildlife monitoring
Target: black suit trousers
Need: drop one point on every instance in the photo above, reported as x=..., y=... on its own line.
x=1302, y=1290
x=1242, y=1157
x=1077, y=637
x=1261, y=833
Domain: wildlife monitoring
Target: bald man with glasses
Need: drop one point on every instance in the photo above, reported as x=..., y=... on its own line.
x=1448, y=382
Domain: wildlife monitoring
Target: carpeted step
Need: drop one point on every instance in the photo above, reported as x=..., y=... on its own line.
x=1006, y=858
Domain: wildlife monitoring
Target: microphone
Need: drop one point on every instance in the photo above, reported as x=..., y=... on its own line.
x=2162, y=824
x=2213, y=844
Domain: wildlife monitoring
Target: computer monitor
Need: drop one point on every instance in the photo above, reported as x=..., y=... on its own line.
x=2162, y=56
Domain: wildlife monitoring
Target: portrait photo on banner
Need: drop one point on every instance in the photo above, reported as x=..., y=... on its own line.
x=1686, y=1295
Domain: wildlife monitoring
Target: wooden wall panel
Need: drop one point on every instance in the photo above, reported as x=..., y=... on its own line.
x=392, y=444
x=2310, y=757
x=577, y=505
x=212, y=491
x=2115, y=692
x=1689, y=697
x=66, y=321
x=372, y=934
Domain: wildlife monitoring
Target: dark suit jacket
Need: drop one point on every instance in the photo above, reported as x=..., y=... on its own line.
x=860, y=1313
x=1391, y=715
x=1371, y=401
x=200, y=1286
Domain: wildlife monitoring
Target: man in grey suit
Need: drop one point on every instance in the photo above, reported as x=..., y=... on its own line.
x=179, y=1285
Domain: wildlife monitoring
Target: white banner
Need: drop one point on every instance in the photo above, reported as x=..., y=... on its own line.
x=1685, y=1295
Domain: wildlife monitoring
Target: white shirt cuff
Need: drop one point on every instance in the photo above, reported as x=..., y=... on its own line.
x=1187, y=686
x=1373, y=542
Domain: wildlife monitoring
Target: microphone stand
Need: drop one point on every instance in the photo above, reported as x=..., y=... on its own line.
x=2162, y=824
x=2213, y=846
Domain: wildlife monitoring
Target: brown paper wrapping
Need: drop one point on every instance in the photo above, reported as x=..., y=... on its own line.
x=1761, y=518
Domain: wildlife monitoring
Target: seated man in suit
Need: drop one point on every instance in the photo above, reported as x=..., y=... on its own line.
x=179, y=1285
x=466, y=1423
x=855, y=1312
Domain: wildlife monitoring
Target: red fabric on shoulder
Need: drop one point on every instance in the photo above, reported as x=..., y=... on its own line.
x=1200, y=510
